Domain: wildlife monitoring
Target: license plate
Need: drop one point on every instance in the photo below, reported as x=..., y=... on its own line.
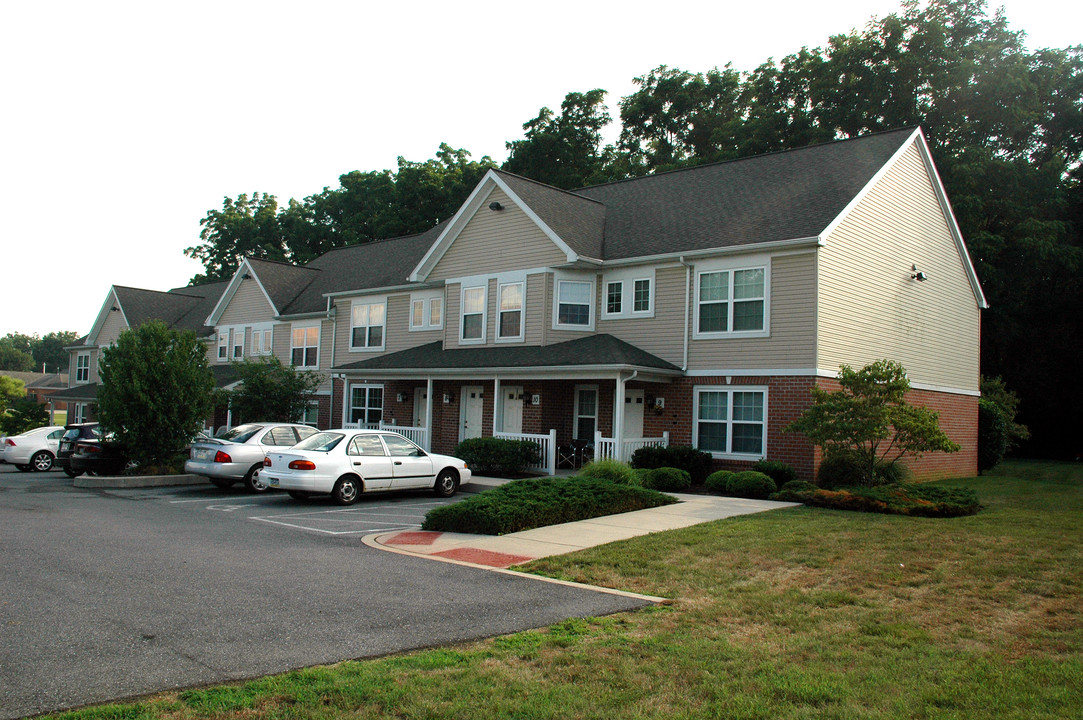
x=273, y=482
x=201, y=454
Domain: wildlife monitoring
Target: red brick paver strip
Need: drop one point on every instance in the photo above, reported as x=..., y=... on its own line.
x=414, y=538
x=483, y=557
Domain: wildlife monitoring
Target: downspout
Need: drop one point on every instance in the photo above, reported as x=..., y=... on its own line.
x=687, y=305
x=332, y=312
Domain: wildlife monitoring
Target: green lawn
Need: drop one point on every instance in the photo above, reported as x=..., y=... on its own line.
x=798, y=613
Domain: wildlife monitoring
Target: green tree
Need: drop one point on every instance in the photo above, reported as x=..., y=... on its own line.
x=243, y=227
x=563, y=151
x=22, y=415
x=155, y=391
x=16, y=352
x=870, y=418
x=49, y=352
x=10, y=391
x=271, y=392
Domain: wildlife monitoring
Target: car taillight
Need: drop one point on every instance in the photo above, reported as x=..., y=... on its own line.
x=222, y=457
x=266, y=462
x=88, y=449
x=11, y=442
x=302, y=465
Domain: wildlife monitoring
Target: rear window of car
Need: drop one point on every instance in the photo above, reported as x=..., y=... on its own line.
x=320, y=442
x=241, y=433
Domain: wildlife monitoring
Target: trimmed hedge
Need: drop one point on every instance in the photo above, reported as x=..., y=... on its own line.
x=612, y=470
x=497, y=455
x=716, y=481
x=895, y=499
x=695, y=462
x=667, y=479
x=526, y=504
x=750, y=484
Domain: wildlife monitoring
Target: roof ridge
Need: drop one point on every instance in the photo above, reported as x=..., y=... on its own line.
x=551, y=187
x=375, y=241
x=908, y=128
x=281, y=262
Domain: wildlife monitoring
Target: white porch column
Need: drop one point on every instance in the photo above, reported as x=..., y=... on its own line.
x=498, y=405
x=428, y=413
x=618, y=419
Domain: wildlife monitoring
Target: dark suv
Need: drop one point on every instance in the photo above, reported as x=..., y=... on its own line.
x=73, y=434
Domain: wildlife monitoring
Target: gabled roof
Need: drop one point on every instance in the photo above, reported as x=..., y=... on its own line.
x=577, y=220
x=180, y=308
x=279, y=282
x=601, y=351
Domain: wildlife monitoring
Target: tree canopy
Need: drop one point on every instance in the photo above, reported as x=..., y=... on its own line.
x=271, y=392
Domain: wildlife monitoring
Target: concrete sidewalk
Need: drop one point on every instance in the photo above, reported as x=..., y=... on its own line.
x=501, y=551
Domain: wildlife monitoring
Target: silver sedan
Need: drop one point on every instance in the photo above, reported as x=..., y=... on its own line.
x=237, y=455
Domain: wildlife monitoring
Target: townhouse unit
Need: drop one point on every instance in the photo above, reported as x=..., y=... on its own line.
x=694, y=307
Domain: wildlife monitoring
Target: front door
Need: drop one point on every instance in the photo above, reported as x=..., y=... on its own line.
x=421, y=401
x=470, y=413
x=513, y=409
x=633, y=415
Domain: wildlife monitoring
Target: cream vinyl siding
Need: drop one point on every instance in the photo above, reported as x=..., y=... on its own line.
x=248, y=306
x=534, y=315
x=283, y=333
x=497, y=241
x=552, y=336
x=397, y=334
x=870, y=308
x=663, y=334
x=792, y=340
x=113, y=326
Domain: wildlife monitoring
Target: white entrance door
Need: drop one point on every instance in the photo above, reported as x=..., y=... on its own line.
x=470, y=413
x=420, y=407
x=513, y=409
x=633, y=414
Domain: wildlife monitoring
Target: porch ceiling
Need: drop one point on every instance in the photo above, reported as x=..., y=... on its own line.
x=596, y=355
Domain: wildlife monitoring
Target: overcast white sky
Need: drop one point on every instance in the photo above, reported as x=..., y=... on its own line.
x=123, y=123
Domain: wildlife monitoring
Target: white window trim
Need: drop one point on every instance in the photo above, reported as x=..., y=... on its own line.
x=522, y=313
x=80, y=413
x=79, y=357
x=627, y=280
x=730, y=389
x=347, y=405
x=223, y=345
x=575, y=410
x=463, y=340
x=730, y=265
x=233, y=345
x=606, y=313
x=265, y=346
x=383, y=333
x=427, y=298
x=591, y=280
x=319, y=338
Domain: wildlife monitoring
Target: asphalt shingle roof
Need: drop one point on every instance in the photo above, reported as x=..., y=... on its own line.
x=282, y=281
x=577, y=220
x=594, y=350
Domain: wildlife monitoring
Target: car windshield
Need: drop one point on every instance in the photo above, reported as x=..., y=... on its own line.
x=320, y=442
x=241, y=433
x=82, y=432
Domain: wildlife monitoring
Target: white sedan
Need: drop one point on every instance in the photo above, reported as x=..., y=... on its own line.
x=33, y=450
x=346, y=463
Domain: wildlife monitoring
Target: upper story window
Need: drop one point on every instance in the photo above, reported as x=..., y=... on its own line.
x=731, y=421
x=614, y=298
x=473, y=314
x=574, y=301
x=238, y=343
x=641, y=295
x=732, y=301
x=82, y=368
x=510, y=317
x=426, y=311
x=262, y=341
x=305, y=347
x=367, y=321
x=629, y=293
x=223, y=345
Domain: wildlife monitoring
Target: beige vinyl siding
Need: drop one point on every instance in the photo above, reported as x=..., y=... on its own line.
x=792, y=340
x=663, y=334
x=397, y=334
x=283, y=333
x=95, y=358
x=113, y=326
x=870, y=308
x=497, y=241
x=248, y=306
x=552, y=336
x=535, y=313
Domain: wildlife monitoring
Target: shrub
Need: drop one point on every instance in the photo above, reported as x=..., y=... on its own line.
x=992, y=435
x=777, y=470
x=612, y=470
x=842, y=468
x=716, y=481
x=899, y=499
x=497, y=455
x=793, y=491
x=526, y=504
x=668, y=479
x=695, y=462
x=750, y=484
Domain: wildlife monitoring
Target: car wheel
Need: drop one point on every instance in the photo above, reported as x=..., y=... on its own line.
x=222, y=483
x=447, y=483
x=42, y=461
x=298, y=494
x=253, y=480
x=346, y=490
x=72, y=473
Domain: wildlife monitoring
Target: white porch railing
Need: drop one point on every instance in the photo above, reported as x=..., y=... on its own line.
x=418, y=435
x=606, y=448
x=547, y=446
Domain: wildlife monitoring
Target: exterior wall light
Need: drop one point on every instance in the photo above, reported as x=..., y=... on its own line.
x=918, y=275
x=494, y=206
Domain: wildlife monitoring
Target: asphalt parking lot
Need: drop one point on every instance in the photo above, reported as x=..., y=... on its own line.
x=107, y=594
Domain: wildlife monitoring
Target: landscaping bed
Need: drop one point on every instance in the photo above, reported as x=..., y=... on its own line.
x=528, y=504
x=922, y=500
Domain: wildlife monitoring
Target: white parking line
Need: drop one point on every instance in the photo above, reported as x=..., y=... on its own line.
x=332, y=532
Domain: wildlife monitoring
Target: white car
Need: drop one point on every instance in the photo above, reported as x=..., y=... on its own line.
x=346, y=463
x=33, y=450
x=237, y=454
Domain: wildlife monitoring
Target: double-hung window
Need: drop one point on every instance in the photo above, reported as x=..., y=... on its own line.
x=261, y=341
x=731, y=421
x=586, y=412
x=628, y=294
x=509, y=324
x=238, y=343
x=426, y=311
x=614, y=298
x=223, y=345
x=641, y=295
x=82, y=368
x=732, y=302
x=367, y=325
x=366, y=404
x=473, y=314
x=305, y=347
x=574, y=299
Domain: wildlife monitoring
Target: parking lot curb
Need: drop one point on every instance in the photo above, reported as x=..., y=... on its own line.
x=372, y=541
x=137, y=481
